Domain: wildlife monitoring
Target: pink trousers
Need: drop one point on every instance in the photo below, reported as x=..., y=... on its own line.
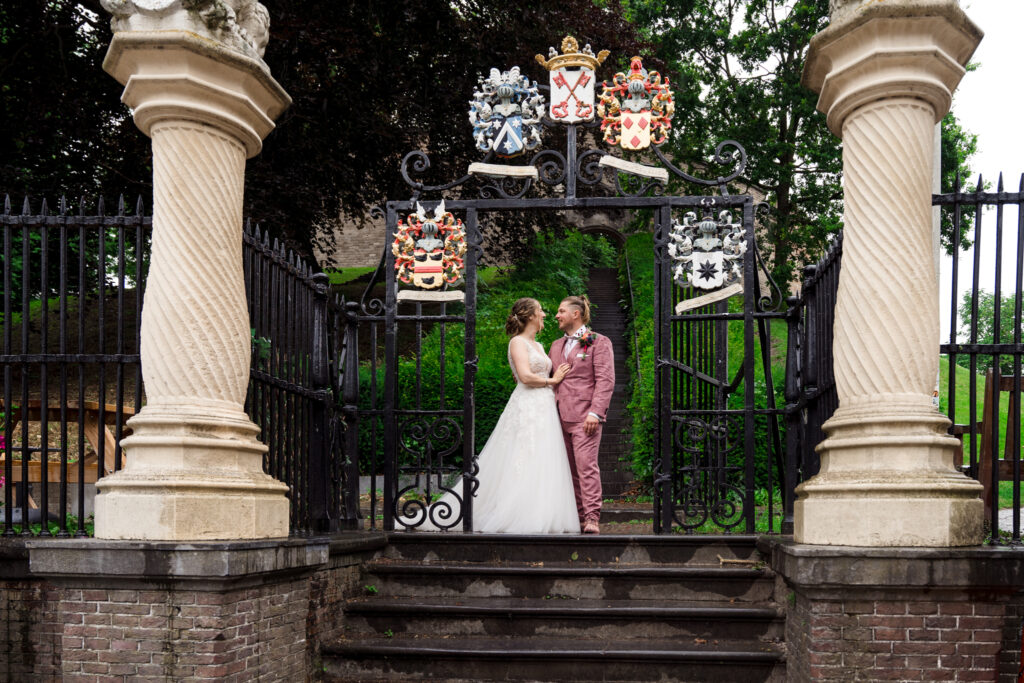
x=586, y=476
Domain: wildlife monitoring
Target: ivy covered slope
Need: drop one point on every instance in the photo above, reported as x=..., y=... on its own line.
x=558, y=266
x=639, y=251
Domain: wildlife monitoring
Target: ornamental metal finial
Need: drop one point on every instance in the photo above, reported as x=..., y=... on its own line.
x=636, y=109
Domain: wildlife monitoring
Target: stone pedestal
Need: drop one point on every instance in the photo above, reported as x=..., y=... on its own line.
x=886, y=73
x=193, y=464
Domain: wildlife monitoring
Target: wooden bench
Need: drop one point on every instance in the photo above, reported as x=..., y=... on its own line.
x=89, y=412
x=986, y=460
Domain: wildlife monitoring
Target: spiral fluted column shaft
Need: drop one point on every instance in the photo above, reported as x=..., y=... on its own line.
x=193, y=464
x=195, y=292
x=886, y=73
x=887, y=308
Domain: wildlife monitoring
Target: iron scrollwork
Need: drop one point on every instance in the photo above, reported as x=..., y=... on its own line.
x=426, y=442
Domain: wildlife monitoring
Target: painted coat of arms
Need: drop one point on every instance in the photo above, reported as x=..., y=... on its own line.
x=429, y=248
x=572, y=80
x=505, y=113
x=636, y=109
x=708, y=254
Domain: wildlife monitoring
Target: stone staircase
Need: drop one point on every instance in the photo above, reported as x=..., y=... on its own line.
x=562, y=608
x=610, y=320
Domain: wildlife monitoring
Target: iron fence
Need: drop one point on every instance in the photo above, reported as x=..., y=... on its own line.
x=72, y=292
x=984, y=347
x=810, y=390
x=72, y=300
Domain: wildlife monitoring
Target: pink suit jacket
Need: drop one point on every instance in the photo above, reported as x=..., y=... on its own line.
x=589, y=385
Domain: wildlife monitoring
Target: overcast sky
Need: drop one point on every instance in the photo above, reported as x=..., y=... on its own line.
x=990, y=103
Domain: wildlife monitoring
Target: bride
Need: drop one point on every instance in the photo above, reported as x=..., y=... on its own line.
x=525, y=483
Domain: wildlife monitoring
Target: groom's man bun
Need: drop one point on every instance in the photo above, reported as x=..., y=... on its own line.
x=583, y=304
x=522, y=310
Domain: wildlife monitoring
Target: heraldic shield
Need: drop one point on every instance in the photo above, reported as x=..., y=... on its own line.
x=428, y=249
x=505, y=113
x=636, y=109
x=636, y=130
x=707, y=253
x=572, y=80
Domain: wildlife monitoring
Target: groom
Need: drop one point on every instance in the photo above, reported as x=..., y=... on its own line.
x=583, y=398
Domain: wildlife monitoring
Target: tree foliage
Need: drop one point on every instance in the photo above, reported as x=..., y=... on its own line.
x=66, y=131
x=373, y=81
x=984, y=329
x=737, y=68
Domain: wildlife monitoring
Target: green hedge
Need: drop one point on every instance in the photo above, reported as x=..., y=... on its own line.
x=558, y=266
x=639, y=250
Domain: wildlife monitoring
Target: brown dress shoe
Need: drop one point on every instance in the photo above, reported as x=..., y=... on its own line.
x=591, y=527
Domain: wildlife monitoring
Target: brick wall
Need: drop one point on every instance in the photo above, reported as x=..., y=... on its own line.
x=896, y=640
x=29, y=631
x=244, y=613
x=236, y=635
x=328, y=590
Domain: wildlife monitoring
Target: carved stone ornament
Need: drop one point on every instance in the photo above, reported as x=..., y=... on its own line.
x=572, y=80
x=242, y=25
x=636, y=109
x=708, y=254
x=505, y=113
x=428, y=248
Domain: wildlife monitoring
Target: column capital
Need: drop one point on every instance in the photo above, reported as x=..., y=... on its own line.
x=898, y=48
x=178, y=75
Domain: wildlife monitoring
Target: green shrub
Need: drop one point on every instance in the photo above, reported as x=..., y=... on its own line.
x=558, y=266
x=639, y=250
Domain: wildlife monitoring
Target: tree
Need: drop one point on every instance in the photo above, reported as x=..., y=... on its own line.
x=985, y=327
x=373, y=81
x=370, y=81
x=736, y=66
x=66, y=130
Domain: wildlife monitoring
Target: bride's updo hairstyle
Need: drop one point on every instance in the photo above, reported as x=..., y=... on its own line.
x=522, y=310
x=583, y=304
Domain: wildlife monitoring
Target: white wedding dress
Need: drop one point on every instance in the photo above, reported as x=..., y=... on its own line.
x=525, y=483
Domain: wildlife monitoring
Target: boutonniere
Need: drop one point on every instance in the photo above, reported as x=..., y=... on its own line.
x=587, y=341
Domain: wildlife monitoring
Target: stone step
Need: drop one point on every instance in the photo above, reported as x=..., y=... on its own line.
x=701, y=551
x=573, y=580
x=524, y=617
x=552, y=659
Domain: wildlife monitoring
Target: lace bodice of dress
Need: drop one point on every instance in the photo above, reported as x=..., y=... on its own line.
x=540, y=364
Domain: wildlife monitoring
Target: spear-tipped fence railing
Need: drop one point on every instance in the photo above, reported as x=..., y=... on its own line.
x=810, y=389
x=984, y=349
x=71, y=294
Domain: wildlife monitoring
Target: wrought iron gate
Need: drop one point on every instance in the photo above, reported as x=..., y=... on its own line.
x=705, y=469
x=709, y=414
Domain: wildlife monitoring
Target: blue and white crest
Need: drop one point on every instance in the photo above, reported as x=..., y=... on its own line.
x=505, y=113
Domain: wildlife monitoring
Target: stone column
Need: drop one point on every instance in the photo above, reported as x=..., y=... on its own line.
x=197, y=85
x=886, y=72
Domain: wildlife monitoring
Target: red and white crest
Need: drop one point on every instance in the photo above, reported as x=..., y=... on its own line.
x=636, y=130
x=572, y=95
x=572, y=81
x=636, y=109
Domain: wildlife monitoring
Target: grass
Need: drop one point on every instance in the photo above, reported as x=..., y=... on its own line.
x=72, y=521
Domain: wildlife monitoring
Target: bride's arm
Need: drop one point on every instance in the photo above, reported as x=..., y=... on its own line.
x=521, y=359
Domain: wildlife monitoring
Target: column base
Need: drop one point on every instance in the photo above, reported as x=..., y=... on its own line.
x=887, y=479
x=191, y=474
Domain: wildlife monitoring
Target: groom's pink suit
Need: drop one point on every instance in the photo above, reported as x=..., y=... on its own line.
x=586, y=389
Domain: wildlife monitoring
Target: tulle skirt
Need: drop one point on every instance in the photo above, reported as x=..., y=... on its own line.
x=525, y=482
